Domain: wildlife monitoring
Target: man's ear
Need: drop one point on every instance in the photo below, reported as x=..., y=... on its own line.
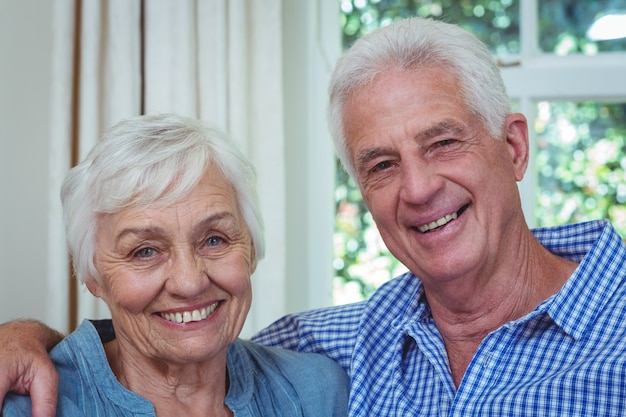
x=255, y=261
x=516, y=131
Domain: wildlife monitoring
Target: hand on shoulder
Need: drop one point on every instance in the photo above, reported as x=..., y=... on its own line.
x=25, y=366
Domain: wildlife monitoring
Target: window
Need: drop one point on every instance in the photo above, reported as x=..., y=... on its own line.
x=566, y=78
x=580, y=162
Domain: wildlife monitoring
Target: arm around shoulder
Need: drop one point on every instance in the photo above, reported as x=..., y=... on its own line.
x=25, y=366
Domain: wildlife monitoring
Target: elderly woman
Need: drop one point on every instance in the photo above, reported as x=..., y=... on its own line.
x=162, y=224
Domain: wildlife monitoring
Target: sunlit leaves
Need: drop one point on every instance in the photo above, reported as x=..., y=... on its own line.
x=563, y=26
x=581, y=163
x=496, y=22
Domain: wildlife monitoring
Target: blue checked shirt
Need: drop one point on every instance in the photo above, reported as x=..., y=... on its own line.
x=565, y=358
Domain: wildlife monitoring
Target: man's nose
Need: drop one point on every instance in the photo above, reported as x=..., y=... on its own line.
x=419, y=181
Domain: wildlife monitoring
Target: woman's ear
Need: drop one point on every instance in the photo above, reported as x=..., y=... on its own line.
x=516, y=130
x=93, y=286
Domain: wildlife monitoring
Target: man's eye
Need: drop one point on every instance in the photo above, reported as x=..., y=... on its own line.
x=445, y=142
x=214, y=241
x=381, y=166
x=145, y=253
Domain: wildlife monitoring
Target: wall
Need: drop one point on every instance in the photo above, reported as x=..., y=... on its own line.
x=25, y=200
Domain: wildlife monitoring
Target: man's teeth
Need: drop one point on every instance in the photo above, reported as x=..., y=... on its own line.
x=187, y=316
x=437, y=223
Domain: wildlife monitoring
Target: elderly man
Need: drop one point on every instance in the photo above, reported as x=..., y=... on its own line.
x=493, y=318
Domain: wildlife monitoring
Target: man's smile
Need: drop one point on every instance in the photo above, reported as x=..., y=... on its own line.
x=442, y=221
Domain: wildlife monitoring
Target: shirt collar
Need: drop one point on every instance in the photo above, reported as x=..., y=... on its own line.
x=601, y=255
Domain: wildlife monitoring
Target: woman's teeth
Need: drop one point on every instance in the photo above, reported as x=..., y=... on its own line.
x=187, y=316
x=437, y=223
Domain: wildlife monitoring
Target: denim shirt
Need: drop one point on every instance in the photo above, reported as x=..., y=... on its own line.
x=263, y=381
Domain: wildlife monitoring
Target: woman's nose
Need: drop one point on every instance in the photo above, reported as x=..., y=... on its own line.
x=187, y=274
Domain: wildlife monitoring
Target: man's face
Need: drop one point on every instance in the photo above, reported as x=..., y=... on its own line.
x=442, y=191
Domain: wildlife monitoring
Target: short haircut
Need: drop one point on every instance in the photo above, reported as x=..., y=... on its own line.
x=409, y=45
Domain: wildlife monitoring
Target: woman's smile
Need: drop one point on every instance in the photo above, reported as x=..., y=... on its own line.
x=187, y=316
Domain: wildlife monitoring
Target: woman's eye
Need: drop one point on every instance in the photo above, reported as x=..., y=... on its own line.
x=214, y=241
x=145, y=253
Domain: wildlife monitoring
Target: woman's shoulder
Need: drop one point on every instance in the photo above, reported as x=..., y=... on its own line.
x=291, y=380
x=16, y=405
x=81, y=352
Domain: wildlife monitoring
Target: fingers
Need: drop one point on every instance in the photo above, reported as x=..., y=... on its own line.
x=25, y=366
x=5, y=383
x=35, y=375
x=43, y=390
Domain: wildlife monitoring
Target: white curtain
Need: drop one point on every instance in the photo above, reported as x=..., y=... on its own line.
x=108, y=85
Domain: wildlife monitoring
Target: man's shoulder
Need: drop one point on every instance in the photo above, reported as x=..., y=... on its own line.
x=575, y=241
x=287, y=361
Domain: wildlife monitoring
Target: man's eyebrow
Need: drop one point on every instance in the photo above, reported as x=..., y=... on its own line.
x=368, y=154
x=440, y=128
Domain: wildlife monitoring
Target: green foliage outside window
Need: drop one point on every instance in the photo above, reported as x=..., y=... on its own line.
x=495, y=22
x=563, y=26
x=581, y=163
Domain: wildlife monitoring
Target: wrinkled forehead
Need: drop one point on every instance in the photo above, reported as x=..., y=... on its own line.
x=154, y=187
x=211, y=197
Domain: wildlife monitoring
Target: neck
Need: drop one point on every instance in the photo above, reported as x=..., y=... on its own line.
x=467, y=310
x=191, y=390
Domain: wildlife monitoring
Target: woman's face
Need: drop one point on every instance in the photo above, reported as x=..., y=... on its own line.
x=177, y=278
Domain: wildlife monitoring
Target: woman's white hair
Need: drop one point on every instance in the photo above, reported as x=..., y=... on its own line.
x=411, y=44
x=151, y=160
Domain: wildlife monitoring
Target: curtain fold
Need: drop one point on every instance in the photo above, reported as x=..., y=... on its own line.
x=109, y=87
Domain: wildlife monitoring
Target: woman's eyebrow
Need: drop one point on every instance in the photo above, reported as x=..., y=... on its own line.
x=153, y=231
x=222, y=216
x=139, y=231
